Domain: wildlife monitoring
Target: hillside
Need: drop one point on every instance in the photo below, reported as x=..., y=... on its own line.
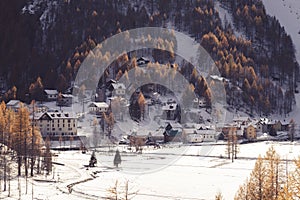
x=52, y=38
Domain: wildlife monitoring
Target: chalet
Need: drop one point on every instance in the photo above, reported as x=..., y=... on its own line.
x=170, y=110
x=40, y=108
x=57, y=124
x=285, y=125
x=250, y=132
x=208, y=135
x=64, y=100
x=232, y=129
x=14, y=105
x=200, y=135
x=118, y=89
x=173, y=132
x=262, y=125
x=98, y=107
x=193, y=138
x=51, y=95
x=199, y=103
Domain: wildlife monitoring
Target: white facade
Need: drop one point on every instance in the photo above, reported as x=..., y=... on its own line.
x=194, y=138
x=98, y=107
x=118, y=89
x=57, y=124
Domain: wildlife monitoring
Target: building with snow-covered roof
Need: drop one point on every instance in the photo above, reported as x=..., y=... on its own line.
x=118, y=89
x=173, y=132
x=64, y=100
x=14, y=105
x=170, y=110
x=55, y=124
x=250, y=132
x=51, y=95
x=98, y=107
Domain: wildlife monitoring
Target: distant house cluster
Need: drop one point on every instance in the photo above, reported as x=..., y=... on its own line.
x=60, y=98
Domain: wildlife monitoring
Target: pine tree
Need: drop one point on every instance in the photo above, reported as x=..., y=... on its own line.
x=292, y=130
x=93, y=160
x=117, y=159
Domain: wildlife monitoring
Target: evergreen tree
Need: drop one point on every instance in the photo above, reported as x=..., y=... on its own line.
x=292, y=130
x=93, y=160
x=117, y=159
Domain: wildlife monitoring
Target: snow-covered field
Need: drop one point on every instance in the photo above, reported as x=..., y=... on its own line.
x=197, y=174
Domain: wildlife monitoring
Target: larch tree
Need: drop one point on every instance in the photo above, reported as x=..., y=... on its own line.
x=274, y=173
x=257, y=180
x=142, y=104
x=21, y=132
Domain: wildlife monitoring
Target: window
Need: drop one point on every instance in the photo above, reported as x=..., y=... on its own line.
x=59, y=129
x=53, y=129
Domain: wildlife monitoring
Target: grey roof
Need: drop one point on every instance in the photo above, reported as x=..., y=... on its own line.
x=57, y=115
x=13, y=103
x=118, y=86
x=99, y=105
x=51, y=92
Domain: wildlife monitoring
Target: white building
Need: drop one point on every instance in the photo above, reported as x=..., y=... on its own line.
x=51, y=95
x=98, y=107
x=55, y=124
x=118, y=89
x=200, y=135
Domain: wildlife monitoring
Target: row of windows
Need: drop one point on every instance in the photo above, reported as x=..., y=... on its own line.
x=58, y=121
x=60, y=134
x=69, y=125
x=208, y=136
x=59, y=129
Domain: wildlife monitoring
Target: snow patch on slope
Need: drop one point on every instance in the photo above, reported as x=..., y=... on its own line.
x=47, y=11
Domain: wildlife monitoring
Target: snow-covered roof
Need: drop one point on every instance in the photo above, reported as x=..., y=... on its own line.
x=175, y=125
x=13, y=103
x=67, y=95
x=99, y=104
x=171, y=106
x=118, y=86
x=57, y=115
x=51, y=92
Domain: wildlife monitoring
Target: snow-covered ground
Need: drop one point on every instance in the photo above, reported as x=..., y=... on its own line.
x=197, y=174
